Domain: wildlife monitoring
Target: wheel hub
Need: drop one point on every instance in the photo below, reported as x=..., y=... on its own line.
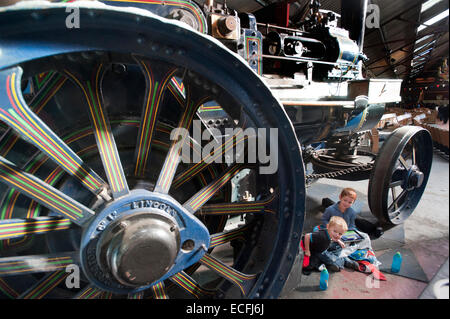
x=414, y=178
x=140, y=240
x=140, y=248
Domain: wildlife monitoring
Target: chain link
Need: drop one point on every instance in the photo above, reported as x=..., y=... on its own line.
x=334, y=174
x=311, y=177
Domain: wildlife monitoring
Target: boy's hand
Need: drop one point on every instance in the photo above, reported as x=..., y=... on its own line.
x=307, y=253
x=341, y=243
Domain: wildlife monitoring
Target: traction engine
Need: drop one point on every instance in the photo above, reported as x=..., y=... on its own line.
x=129, y=133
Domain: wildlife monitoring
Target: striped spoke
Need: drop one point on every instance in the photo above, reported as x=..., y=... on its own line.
x=136, y=295
x=185, y=282
x=178, y=91
x=16, y=113
x=102, y=130
x=89, y=292
x=202, y=196
x=49, y=86
x=225, y=237
x=7, y=290
x=159, y=291
x=238, y=208
x=12, y=266
x=227, y=146
x=193, y=102
x=243, y=281
x=157, y=78
x=17, y=228
x=43, y=193
x=44, y=286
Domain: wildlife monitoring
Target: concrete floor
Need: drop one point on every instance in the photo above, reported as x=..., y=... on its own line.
x=423, y=239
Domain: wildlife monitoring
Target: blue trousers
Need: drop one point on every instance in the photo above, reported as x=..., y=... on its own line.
x=331, y=256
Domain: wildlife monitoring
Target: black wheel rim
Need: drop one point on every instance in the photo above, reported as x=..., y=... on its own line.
x=400, y=174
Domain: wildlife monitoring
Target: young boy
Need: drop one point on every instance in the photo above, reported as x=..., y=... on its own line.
x=317, y=242
x=343, y=208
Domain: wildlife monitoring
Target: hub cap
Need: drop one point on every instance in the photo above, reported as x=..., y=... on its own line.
x=140, y=249
x=136, y=241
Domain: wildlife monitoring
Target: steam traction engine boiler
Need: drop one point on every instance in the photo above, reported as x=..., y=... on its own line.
x=97, y=199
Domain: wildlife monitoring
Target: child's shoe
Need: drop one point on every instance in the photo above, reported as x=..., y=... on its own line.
x=333, y=268
x=348, y=263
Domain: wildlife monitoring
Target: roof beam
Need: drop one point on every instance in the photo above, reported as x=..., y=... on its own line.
x=388, y=51
x=419, y=4
x=407, y=57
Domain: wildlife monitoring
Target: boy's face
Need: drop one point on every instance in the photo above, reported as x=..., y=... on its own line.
x=335, y=232
x=346, y=201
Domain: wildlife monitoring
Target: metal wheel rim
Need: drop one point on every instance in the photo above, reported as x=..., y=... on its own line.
x=387, y=203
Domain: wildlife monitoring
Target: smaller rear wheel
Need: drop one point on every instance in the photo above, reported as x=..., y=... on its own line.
x=400, y=174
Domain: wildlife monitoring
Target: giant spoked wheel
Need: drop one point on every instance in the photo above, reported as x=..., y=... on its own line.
x=97, y=162
x=400, y=174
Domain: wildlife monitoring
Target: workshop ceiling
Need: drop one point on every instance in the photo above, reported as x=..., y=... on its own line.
x=403, y=46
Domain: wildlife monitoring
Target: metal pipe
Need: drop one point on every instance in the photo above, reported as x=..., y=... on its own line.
x=304, y=60
x=272, y=26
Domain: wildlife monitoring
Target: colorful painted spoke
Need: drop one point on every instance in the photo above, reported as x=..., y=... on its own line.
x=89, y=292
x=159, y=292
x=178, y=91
x=201, y=197
x=45, y=285
x=229, y=144
x=173, y=157
x=188, y=284
x=16, y=228
x=136, y=295
x=33, y=166
x=16, y=113
x=157, y=78
x=43, y=193
x=238, y=208
x=7, y=290
x=12, y=266
x=225, y=237
x=243, y=281
x=106, y=295
x=102, y=130
x=50, y=85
